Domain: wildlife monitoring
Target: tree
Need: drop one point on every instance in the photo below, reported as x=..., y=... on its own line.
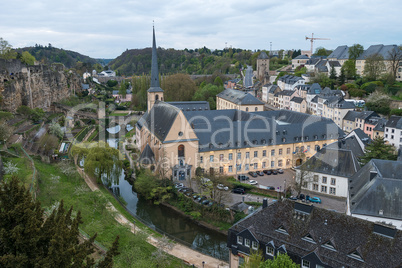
x=374, y=66
x=322, y=79
x=379, y=102
x=179, y=87
x=342, y=77
x=29, y=238
x=355, y=51
x=6, y=51
x=320, y=51
x=394, y=57
x=5, y=131
x=101, y=160
x=349, y=68
x=255, y=260
x=208, y=92
x=280, y=261
x=55, y=129
x=378, y=149
x=27, y=58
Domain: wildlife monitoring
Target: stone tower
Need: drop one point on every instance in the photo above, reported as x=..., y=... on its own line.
x=263, y=68
x=154, y=92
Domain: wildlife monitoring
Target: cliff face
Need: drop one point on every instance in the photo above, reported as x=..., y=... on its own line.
x=35, y=86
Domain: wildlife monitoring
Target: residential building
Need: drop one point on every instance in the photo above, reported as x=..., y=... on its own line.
x=299, y=61
x=289, y=82
x=336, y=108
x=282, y=99
x=340, y=54
x=378, y=130
x=298, y=104
x=232, y=83
x=375, y=192
x=107, y=73
x=311, y=64
x=370, y=125
x=120, y=98
x=334, y=64
x=236, y=99
x=329, y=170
x=314, y=237
x=349, y=121
x=363, y=117
x=268, y=92
x=393, y=131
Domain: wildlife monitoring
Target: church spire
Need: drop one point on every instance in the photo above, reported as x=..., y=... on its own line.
x=155, y=86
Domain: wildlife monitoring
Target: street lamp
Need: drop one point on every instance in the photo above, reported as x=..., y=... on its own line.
x=203, y=262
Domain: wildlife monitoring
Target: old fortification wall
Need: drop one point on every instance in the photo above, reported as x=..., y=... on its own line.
x=35, y=86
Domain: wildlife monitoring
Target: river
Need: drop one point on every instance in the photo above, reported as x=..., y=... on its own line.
x=169, y=222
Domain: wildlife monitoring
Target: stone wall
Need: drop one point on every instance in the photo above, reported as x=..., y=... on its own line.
x=35, y=86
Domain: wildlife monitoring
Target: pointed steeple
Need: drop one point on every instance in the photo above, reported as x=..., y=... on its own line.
x=155, y=86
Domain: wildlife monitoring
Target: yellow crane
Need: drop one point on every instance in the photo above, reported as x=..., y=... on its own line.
x=312, y=38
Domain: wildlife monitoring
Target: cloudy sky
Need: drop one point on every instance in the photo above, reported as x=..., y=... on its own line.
x=105, y=29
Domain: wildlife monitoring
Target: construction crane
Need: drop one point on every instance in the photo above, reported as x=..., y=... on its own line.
x=312, y=38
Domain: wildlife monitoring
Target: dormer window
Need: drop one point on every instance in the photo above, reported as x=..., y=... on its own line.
x=282, y=230
x=254, y=245
x=355, y=255
x=270, y=251
x=247, y=242
x=308, y=238
x=240, y=240
x=328, y=245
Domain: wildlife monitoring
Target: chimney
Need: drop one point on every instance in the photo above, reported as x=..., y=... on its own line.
x=264, y=203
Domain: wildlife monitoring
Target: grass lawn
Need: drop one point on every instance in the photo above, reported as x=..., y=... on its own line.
x=25, y=171
x=134, y=251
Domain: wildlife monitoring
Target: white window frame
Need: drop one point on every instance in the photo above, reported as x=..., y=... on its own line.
x=270, y=251
x=247, y=242
x=254, y=245
x=305, y=264
x=239, y=240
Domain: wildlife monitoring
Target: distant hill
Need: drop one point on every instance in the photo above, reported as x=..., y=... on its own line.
x=197, y=61
x=49, y=54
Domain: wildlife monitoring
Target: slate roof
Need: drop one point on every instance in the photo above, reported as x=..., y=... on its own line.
x=160, y=119
x=84, y=86
x=340, y=158
x=190, y=105
x=362, y=136
x=297, y=99
x=290, y=79
x=313, y=61
x=286, y=92
x=347, y=235
x=333, y=63
x=377, y=186
x=394, y=122
x=263, y=55
x=341, y=52
x=365, y=115
x=322, y=66
x=155, y=87
x=272, y=88
x=314, y=89
x=340, y=103
x=315, y=99
x=239, y=97
x=381, y=124
x=351, y=115
x=147, y=157
x=301, y=57
x=231, y=129
x=382, y=50
x=116, y=92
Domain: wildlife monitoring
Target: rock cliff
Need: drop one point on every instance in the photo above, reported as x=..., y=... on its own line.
x=35, y=86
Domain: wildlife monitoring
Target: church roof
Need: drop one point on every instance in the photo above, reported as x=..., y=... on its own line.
x=147, y=157
x=155, y=87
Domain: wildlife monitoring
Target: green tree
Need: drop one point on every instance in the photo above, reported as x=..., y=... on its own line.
x=55, y=129
x=379, y=102
x=208, y=92
x=342, y=77
x=320, y=51
x=280, y=261
x=378, y=149
x=101, y=160
x=112, y=83
x=218, y=81
x=355, y=51
x=300, y=70
x=374, y=66
x=24, y=110
x=27, y=58
x=5, y=131
x=179, y=87
x=349, y=68
x=6, y=51
x=29, y=238
x=37, y=114
x=255, y=260
x=322, y=79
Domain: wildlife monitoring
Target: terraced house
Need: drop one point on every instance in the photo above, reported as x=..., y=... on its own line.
x=314, y=237
x=180, y=137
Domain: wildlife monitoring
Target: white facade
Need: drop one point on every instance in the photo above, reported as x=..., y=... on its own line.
x=393, y=136
x=324, y=183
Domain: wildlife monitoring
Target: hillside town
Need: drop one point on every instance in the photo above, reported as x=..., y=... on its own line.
x=264, y=164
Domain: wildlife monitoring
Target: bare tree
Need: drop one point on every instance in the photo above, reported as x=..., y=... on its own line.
x=394, y=57
x=374, y=66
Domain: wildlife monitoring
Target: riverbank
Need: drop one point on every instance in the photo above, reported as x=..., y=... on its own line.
x=188, y=255
x=200, y=223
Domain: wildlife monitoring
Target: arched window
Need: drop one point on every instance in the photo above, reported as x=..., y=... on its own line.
x=246, y=109
x=156, y=97
x=256, y=109
x=180, y=150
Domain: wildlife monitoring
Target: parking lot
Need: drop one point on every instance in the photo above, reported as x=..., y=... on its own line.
x=279, y=181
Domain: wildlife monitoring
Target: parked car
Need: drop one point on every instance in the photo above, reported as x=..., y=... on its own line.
x=195, y=196
x=314, y=199
x=271, y=188
x=253, y=182
x=267, y=171
x=274, y=172
x=178, y=185
x=242, y=177
x=260, y=173
x=280, y=171
x=220, y=186
x=201, y=198
x=292, y=197
x=205, y=202
x=301, y=196
x=238, y=191
x=253, y=174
